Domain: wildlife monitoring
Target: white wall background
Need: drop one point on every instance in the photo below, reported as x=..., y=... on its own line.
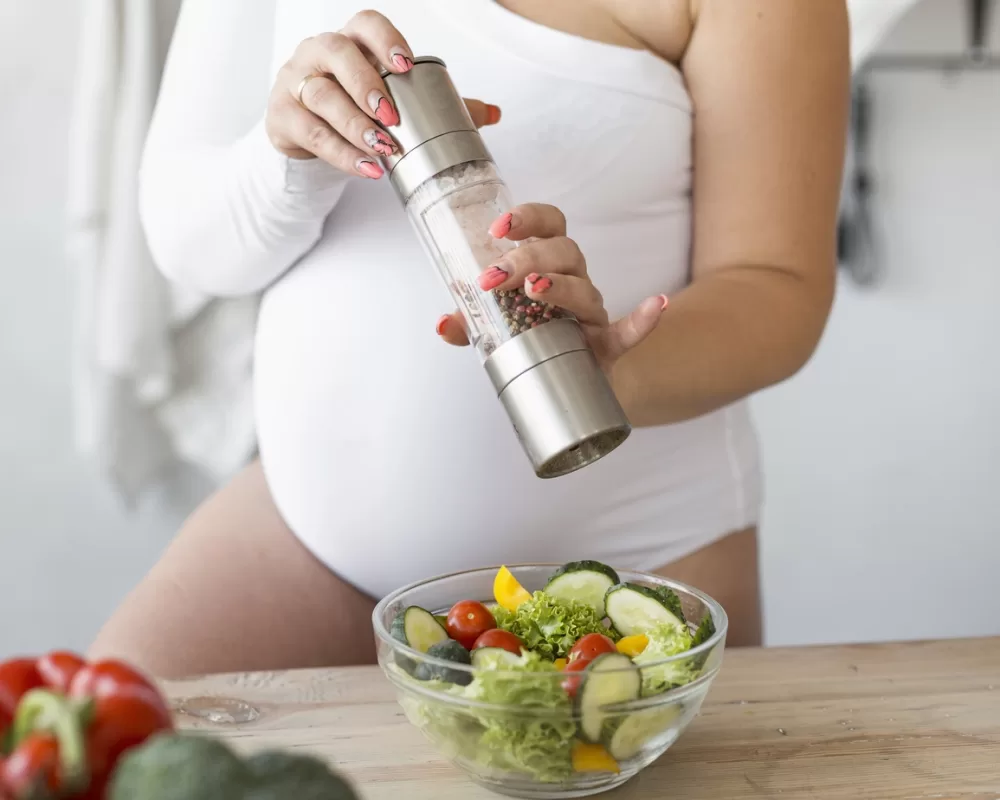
x=882, y=457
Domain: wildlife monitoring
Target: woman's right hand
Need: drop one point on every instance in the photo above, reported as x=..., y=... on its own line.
x=329, y=101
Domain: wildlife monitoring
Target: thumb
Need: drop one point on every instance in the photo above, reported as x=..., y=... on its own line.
x=627, y=332
x=482, y=113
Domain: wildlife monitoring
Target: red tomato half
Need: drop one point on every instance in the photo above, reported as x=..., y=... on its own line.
x=505, y=640
x=467, y=621
x=591, y=646
x=571, y=683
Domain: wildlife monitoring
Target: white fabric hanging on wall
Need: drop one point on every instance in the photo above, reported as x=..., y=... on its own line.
x=162, y=377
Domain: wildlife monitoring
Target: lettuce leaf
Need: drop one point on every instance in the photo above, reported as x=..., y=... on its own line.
x=666, y=640
x=550, y=626
x=517, y=738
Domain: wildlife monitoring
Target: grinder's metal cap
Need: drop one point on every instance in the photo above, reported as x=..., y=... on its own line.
x=435, y=130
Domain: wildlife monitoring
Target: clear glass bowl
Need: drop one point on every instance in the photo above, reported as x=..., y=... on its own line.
x=527, y=750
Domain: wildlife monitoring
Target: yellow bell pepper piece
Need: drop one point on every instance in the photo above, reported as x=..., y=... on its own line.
x=592, y=758
x=507, y=591
x=632, y=646
x=560, y=664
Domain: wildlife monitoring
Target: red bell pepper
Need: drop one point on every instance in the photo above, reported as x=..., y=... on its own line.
x=65, y=724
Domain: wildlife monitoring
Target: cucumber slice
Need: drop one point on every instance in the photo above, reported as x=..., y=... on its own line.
x=636, y=609
x=585, y=581
x=448, y=650
x=706, y=630
x=493, y=655
x=626, y=737
x=418, y=628
x=671, y=601
x=610, y=679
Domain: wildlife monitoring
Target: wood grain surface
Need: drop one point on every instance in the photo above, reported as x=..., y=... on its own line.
x=915, y=721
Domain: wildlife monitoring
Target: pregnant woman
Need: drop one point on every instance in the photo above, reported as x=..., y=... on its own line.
x=681, y=148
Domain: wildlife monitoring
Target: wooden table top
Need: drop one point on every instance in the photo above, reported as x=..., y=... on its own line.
x=916, y=721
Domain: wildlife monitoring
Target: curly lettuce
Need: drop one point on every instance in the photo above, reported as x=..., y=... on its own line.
x=550, y=626
x=666, y=640
x=532, y=735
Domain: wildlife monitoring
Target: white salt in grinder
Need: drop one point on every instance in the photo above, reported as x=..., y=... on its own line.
x=557, y=397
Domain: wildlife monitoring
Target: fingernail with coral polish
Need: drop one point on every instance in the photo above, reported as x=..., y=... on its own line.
x=493, y=114
x=492, y=278
x=664, y=301
x=401, y=60
x=442, y=324
x=380, y=142
x=370, y=169
x=382, y=108
x=538, y=283
x=502, y=226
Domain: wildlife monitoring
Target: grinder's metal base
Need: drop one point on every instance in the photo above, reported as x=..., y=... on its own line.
x=558, y=399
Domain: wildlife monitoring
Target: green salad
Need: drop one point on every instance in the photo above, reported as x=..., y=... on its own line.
x=546, y=671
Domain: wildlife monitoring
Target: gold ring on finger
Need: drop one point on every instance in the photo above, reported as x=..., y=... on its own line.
x=302, y=87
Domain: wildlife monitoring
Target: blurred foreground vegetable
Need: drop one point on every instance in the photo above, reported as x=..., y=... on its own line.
x=174, y=767
x=64, y=724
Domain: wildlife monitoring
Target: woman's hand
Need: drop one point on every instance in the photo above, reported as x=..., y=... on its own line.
x=329, y=101
x=552, y=270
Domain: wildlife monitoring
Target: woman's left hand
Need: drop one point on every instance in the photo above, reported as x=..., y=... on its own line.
x=553, y=270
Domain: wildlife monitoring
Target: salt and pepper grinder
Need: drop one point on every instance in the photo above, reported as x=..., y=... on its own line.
x=562, y=407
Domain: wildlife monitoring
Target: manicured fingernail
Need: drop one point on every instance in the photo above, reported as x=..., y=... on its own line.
x=370, y=169
x=501, y=227
x=442, y=324
x=382, y=108
x=493, y=114
x=380, y=142
x=492, y=278
x=664, y=300
x=401, y=59
x=538, y=283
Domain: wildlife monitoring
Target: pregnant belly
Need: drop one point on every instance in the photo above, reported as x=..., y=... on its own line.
x=390, y=457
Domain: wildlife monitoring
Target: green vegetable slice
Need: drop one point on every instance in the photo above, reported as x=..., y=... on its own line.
x=584, y=581
x=626, y=736
x=706, y=630
x=448, y=650
x=635, y=609
x=610, y=679
x=418, y=628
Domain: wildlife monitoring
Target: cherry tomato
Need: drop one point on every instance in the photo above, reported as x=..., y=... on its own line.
x=571, y=683
x=58, y=669
x=33, y=768
x=17, y=678
x=591, y=646
x=505, y=640
x=467, y=621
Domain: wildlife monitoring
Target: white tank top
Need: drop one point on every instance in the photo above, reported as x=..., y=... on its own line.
x=386, y=450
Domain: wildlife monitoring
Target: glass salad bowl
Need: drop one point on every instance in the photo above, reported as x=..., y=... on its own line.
x=526, y=725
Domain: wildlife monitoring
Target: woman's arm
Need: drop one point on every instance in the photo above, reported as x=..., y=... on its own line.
x=770, y=81
x=224, y=212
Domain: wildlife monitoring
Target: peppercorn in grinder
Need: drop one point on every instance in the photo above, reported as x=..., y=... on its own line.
x=559, y=400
